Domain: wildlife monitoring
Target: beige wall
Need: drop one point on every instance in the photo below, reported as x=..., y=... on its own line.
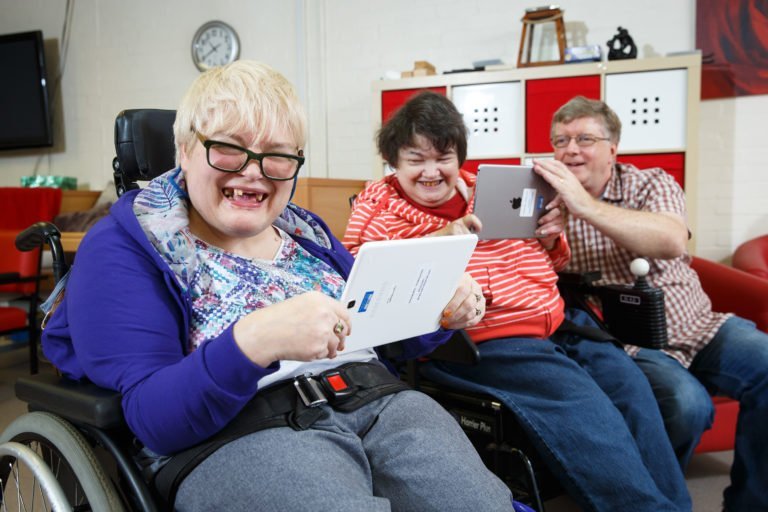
x=136, y=54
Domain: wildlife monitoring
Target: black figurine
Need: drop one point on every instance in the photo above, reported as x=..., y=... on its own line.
x=622, y=46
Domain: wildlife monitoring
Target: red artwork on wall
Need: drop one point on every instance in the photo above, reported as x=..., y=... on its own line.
x=733, y=38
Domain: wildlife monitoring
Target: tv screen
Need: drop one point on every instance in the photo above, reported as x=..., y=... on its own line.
x=25, y=120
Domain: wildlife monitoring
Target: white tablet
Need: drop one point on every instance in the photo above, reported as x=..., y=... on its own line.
x=398, y=289
x=509, y=200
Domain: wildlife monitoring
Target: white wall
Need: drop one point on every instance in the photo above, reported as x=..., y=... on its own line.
x=363, y=40
x=130, y=55
x=137, y=54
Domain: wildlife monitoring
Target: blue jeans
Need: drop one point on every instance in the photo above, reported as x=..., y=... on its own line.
x=733, y=364
x=589, y=412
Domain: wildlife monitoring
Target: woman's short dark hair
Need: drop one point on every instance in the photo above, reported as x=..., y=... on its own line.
x=431, y=115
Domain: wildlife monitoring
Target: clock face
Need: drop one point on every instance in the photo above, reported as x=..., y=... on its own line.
x=214, y=44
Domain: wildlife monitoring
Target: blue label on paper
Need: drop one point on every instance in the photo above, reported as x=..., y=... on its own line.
x=365, y=302
x=540, y=203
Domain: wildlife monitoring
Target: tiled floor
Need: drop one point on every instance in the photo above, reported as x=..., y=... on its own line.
x=707, y=475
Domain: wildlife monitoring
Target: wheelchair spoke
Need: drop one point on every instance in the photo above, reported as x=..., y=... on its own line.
x=63, y=473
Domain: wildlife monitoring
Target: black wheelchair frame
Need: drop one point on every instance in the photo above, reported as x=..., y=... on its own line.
x=88, y=418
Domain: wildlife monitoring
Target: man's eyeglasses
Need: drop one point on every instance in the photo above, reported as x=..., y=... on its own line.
x=227, y=157
x=583, y=140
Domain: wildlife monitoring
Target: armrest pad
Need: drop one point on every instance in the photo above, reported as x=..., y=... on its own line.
x=458, y=349
x=80, y=402
x=576, y=279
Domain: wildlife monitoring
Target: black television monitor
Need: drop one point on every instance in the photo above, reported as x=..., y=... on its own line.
x=25, y=118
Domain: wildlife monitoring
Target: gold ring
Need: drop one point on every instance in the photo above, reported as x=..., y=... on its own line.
x=338, y=328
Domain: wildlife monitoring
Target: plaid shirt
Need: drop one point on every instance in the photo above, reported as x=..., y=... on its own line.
x=691, y=323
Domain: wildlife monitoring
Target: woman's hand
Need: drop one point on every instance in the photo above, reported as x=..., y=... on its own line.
x=306, y=327
x=463, y=226
x=551, y=224
x=467, y=306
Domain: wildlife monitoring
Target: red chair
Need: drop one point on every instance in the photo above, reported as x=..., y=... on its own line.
x=731, y=290
x=19, y=282
x=20, y=271
x=752, y=257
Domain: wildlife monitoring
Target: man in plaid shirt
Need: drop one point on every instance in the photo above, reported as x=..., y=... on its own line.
x=618, y=213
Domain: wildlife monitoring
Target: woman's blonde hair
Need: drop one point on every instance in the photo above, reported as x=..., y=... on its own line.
x=242, y=97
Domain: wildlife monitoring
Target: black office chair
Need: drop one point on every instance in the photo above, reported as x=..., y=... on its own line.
x=144, y=146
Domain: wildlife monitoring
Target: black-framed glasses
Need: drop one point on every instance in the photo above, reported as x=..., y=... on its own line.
x=227, y=157
x=583, y=140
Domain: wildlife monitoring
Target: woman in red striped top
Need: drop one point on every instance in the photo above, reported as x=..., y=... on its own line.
x=584, y=404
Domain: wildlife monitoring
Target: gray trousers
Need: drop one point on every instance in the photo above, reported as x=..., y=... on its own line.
x=401, y=452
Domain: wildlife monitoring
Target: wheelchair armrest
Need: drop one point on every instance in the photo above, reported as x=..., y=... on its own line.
x=458, y=349
x=391, y=351
x=574, y=279
x=80, y=402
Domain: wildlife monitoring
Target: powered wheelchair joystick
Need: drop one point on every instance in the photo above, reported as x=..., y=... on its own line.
x=635, y=314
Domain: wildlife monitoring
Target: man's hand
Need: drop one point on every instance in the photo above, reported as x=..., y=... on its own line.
x=570, y=193
x=660, y=235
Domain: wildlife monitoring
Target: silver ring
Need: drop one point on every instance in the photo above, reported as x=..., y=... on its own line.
x=338, y=328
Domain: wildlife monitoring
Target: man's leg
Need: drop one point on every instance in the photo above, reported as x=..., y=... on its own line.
x=629, y=391
x=684, y=402
x=575, y=428
x=735, y=364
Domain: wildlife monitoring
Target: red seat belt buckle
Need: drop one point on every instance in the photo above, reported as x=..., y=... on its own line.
x=336, y=384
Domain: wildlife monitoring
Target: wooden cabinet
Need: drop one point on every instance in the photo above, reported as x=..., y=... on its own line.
x=508, y=111
x=328, y=198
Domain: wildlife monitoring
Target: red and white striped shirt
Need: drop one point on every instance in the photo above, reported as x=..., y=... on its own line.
x=691, y=323
x=518, y=277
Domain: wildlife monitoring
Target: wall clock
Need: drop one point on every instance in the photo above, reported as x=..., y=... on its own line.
x=214, y=44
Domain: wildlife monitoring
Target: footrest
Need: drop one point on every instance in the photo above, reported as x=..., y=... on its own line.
x=79, y=402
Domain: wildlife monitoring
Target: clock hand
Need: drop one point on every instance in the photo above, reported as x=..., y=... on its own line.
x=213, y=49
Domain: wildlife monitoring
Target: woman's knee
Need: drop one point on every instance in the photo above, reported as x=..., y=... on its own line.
x=687, y=408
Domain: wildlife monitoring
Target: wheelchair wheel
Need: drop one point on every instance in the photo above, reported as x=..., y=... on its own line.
x=26, y=482
x=69, y=457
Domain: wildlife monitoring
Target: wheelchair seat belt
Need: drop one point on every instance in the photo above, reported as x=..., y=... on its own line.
x=585, y=331
x=294, y=403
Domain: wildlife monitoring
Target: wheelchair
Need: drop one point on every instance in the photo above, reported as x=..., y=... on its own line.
x=73, y=449
x=78, y=450
x=74, y=444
